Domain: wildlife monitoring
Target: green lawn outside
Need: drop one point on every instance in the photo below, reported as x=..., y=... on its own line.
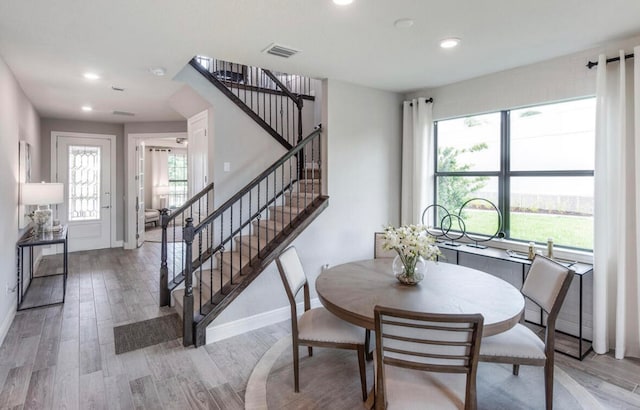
x=567, y=230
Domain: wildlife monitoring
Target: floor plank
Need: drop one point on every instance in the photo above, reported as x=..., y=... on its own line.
x=40, y=392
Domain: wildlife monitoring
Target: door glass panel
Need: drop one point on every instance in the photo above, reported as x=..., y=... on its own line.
x=84, y=183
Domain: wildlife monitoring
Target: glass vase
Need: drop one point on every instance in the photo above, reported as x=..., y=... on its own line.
x=411, y=272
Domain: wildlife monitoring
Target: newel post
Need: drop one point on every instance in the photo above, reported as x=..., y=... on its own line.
x=187, y=305
x=165, y=295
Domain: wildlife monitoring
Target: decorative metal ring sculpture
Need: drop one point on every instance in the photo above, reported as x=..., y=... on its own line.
x=495, y=234
x=448, y=217
x=461, y=225
x=430, y=228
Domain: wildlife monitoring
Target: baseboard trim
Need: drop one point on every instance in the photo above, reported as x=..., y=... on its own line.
x=117, y=244
x=6, y=323
x=247, y=324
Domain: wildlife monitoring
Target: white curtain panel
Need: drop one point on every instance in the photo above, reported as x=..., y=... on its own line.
x=616, y=281
x=159, y=175
x=417, y=159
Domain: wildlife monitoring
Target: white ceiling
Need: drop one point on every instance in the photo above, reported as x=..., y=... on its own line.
x=50, y=44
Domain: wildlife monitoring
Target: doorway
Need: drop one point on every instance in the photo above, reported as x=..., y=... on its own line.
x=83, y=163
x=156, y=178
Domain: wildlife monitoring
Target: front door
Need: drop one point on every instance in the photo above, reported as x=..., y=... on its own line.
x=84, y=166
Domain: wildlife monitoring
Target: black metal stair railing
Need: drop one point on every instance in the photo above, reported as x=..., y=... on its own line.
x=274, y=100
x=172, y=249
x=243, y=234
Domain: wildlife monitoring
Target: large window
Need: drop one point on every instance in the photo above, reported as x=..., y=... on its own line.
x=535, y=164
x=177, y=179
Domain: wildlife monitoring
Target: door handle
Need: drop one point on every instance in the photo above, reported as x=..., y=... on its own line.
x=106, y=207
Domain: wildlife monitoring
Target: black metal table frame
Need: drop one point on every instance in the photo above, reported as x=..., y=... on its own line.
x=582, y=353
x=32, y=240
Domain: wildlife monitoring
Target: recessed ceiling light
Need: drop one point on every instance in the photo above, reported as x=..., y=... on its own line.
x=159, y=71
x=91, y=76
x=343, y=2
x=403, y=23
x=87, y=108
x=449, y=42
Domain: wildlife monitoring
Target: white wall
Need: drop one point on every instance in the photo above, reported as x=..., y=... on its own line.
x=363, y=135
x=562, y=78
x=233, y=138
x=18, y=121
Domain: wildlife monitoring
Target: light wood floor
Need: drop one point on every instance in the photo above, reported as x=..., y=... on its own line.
x=64, y=356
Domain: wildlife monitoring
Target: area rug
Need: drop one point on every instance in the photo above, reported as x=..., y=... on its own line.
x=149, y=332
x=330, y=379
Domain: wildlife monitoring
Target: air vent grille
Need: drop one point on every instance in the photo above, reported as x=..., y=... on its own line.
x=115, y=88
x=125, y=113
x=280, y=51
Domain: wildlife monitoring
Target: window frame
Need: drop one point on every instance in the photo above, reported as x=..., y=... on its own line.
x=173, y=181
x=504, y=174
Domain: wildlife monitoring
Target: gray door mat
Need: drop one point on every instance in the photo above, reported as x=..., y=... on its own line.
x=149, y=332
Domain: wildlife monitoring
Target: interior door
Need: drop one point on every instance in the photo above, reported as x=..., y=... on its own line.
x=197, y=152
x=140, y=205
x=84, y=166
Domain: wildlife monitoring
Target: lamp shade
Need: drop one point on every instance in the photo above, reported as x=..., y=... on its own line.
x=42, y=194
x=161, y=190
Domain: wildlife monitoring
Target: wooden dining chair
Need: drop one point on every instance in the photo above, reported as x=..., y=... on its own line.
x=426, y=360
x=546, y=285
x=316, y=327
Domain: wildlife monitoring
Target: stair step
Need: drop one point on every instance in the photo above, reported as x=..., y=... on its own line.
x=284, y=213
x=299, y=198
x=308, y=185
x=232, y=262
x=250, y=244
x=178, y=294
x=310, y=173
x=267, y=228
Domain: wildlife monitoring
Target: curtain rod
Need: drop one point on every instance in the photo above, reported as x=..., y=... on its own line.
x=429, y=100
x=592, y=64
x=153, y=148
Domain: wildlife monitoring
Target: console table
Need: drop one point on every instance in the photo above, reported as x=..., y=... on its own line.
x=454, y=254
x=42, y=290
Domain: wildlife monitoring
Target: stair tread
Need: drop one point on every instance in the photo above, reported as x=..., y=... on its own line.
x=269, y=223
x=228, y=257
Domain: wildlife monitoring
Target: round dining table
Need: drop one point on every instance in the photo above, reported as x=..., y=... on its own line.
x=352, y=290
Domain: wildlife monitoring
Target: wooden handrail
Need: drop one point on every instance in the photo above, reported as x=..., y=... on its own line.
x=283, y=87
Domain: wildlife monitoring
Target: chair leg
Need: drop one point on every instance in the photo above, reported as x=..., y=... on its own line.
x=367, y=345
x=516, y=369
x=296, y=376
x=310, y=350
x=548, y=384
x=363, y=372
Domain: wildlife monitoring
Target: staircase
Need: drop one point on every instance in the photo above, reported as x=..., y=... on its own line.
x=223, y=250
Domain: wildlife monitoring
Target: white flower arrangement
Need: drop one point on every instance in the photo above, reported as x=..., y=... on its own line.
x=410, y=242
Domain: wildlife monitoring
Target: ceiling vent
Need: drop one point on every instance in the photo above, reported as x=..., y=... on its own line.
x=280, y=51
x=124, y=113
x=114, y=88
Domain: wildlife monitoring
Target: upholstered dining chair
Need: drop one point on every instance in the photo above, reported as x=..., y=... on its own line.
x=316, y=327
x=546, y=285
x=378, y=250
x=426, y=360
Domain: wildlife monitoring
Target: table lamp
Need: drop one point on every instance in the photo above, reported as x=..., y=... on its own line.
x=42, y=195
x=162, y=191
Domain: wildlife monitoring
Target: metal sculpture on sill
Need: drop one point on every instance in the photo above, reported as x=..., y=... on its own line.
x=447, y=222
